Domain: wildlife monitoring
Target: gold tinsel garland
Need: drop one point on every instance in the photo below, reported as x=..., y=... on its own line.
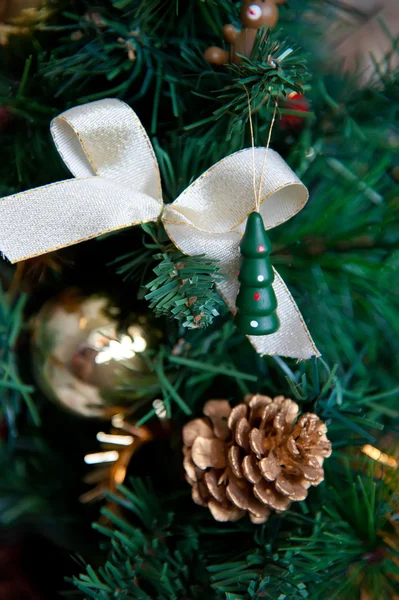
x=112, y=461
x=117, y=448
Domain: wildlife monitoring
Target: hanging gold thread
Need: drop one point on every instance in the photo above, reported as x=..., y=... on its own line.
x=257, y=194
x=266, y=152
x=253, y=147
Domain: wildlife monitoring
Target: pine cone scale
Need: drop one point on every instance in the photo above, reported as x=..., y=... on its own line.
x=225, y=513
x=313, y=475
x=207, y=453
x=256, y=441
x=270, y=467
x=234, y=458
x=237, y=413
x=199, y=498
x=189, y=466
x=197, y=427
x=238, y=494
x=217, y=490
x=250, y=469
x=271, y=497
x=258, y=510
x=218, y=412
x=242, y=431
x=292, y=489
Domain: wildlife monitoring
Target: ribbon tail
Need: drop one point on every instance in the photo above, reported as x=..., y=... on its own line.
x=68, y=212
x=292, y=339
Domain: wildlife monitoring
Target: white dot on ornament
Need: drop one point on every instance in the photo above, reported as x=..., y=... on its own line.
x=254, y=323
x=260, y=278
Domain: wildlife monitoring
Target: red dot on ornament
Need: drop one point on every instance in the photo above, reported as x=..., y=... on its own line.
x=257, y=296
x=261, y=248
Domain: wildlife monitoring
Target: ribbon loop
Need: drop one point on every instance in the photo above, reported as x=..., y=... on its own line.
x=106, y=138
x=282, y=194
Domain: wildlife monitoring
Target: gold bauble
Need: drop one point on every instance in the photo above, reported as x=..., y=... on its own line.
x=85, y=362
x=19, y=17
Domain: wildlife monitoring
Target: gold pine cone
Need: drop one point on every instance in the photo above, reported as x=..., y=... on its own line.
x=254, y=458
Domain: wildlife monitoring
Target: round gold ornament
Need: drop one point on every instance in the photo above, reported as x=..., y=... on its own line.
x=85, y=362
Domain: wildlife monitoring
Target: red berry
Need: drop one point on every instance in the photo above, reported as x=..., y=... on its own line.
x=261, y=248
x=296, y=102
x=257, y=296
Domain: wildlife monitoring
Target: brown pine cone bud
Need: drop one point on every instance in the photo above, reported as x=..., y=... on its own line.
x=253, y=458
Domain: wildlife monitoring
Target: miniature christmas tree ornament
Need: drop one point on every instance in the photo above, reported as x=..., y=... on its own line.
x=256, y=301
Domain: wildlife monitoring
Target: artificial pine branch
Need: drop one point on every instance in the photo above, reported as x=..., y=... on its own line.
x=31, y=488
x=184, y=289
x=350, y=543
x=135, y=48
x=142, y=562
x=27, y=104
x=155, y=561
x=274, y=70
x=354, y=540
x=338, y=257
x=349, y=230
x=134, y=264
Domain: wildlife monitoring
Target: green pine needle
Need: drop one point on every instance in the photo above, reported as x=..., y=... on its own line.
x=13, y=392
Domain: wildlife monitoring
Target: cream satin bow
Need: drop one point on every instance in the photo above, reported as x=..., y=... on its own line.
x=117, y=184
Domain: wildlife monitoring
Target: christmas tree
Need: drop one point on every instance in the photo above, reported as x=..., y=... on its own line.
x=256, y=300
x=119, y=468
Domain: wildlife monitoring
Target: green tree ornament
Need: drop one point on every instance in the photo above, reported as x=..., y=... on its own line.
x=256, y=301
